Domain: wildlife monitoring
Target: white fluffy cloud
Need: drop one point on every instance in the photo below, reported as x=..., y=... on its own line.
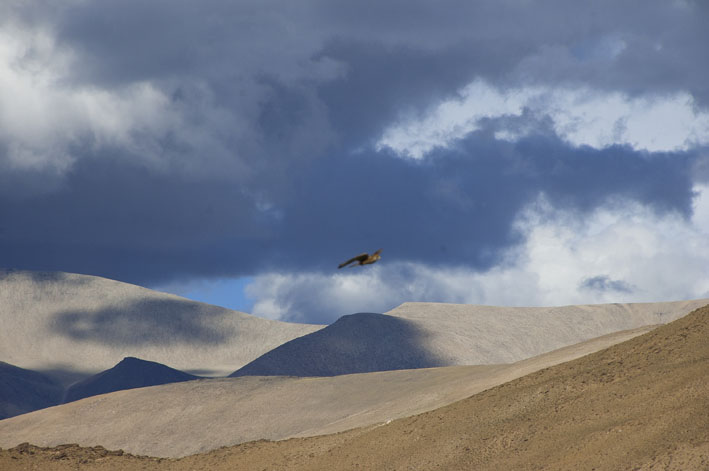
x=48, y=119
x=580, y=116
x=621, y=253
x=41, y=117
x=638, y=254
x=44, y=119
x=32, y=118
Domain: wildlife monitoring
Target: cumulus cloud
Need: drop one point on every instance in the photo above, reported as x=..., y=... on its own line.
x=642, y=256
x=184, y=83
x=580, y=116
x=122, y=220
x=47, y=124
x=82, y=82
x=160, y=141
x=31, y=111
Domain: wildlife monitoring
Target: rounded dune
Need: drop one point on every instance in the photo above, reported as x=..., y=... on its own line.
x=130, y=373
x=72, y=326
x=640, y=404
x=196, y=416
x=424, y=335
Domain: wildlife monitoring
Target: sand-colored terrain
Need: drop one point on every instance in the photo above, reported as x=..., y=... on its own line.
x=642, y=404
x=424, y=335
x=184, y=418
x=72, y=326
x=468, y=334
x=483, y=413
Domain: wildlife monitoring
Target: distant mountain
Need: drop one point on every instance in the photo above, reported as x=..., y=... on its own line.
x=130, y=373
x=641, y=404
x=78, y=325
x=420, y=335
x=647, y=397
x=466, y=334
x=23, y=391
x=357, y=343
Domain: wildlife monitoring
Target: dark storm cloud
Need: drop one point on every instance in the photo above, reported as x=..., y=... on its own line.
x=458, y=208
x=291, y=181
x=122, y=221
x=700, y=171
x=128, y=40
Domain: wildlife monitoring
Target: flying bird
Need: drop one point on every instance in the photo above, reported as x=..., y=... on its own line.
x=363, y=259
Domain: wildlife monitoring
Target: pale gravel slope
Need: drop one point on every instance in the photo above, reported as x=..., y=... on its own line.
x=196, y=416
x=66, y=323
x=424, y=335
x=463, y=334
x=61, y=322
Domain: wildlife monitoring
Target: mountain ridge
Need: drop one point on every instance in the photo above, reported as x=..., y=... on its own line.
x=129, y=373
x=73, y=326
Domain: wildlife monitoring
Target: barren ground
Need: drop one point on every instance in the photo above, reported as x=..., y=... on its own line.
x=642, y=404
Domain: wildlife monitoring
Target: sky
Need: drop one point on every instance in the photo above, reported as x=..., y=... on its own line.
x=500, y=152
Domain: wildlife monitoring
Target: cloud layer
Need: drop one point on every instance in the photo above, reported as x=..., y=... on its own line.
x=615, y=254
x=166, y=142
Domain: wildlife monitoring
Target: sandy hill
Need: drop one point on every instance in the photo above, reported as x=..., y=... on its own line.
x=424, y=335
x=463, y=334
x=642, y=404
x=357, y=343
x=130, y=373
x=72, y=326
x=23, y=391
x=184, y=418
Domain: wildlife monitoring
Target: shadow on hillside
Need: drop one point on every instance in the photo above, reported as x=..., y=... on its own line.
x=144, y=322
x=358, y=343
x=23, y=390
x=65, y=376
x=129, y=373
x=46, y=277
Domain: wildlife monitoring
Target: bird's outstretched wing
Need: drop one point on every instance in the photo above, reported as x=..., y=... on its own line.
x=359, y=258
